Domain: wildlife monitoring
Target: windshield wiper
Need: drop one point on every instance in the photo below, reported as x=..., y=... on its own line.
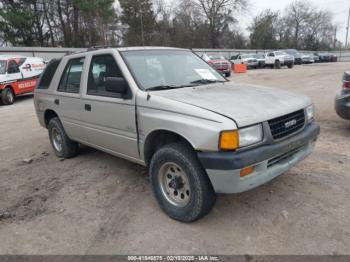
x=207, y=81
x=163, y=87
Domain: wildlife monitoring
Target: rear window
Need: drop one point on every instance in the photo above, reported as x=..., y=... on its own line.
x=48, y=74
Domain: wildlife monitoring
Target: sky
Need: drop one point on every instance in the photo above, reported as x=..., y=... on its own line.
x=339, y=8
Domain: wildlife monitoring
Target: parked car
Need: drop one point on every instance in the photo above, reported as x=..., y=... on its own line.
x=297, y=56
x=314, y=57
x=167, y=109
x=342, y=100
x=307, y=59
x=334, y=57
x=219, y=63
x=261, y=60
x=247, y=59
x=324, y=57
x=18, y=76
x=277, y=59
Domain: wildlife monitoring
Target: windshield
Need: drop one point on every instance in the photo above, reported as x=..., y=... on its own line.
x=247, y=56
x=169, y=68
x=2, y=67
x=216, y=57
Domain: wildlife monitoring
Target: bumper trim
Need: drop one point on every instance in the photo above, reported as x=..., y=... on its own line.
x=238, y=160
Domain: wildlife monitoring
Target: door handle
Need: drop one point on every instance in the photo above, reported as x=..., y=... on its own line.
x=57, y=101
x=87, y=107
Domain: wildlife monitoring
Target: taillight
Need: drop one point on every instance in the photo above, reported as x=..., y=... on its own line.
x=346, y=85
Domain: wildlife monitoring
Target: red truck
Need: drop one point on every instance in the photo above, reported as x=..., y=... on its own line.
x=218, y=62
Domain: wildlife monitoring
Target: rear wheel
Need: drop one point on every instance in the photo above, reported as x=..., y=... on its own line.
x=290, y=65
x=7, y=96
x=180, y=184
x=228, y=74
x=62, y=145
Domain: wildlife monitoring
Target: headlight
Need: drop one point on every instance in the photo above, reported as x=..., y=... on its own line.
x=250, y=135
x=310, y=113
x=231, y=140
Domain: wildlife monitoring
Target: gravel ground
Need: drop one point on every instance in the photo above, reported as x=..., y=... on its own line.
x=99, y=204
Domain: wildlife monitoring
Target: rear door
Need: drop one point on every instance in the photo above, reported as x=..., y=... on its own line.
x=110, y=119
x=67, y=99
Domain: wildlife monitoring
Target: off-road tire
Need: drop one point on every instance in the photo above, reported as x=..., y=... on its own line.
x=202, y=198
x=69, y=147
x=7, y=96
x=277, y=64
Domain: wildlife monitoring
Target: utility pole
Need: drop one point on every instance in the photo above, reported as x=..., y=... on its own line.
x=347, y=30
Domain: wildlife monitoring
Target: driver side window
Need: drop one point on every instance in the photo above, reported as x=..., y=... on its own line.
x=102, y=67
x=13, y=67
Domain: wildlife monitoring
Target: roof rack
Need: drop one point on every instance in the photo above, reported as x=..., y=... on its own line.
x=100, y=47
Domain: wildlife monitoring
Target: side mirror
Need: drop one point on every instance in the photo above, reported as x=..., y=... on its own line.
x=116, y=85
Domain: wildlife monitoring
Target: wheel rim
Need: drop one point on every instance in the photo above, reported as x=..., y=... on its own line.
x=56, y=139
x=9, y=96
x=174, y=184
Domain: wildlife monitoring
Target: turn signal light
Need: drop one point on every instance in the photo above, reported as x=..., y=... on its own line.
x=246, y=171
x=229, y=140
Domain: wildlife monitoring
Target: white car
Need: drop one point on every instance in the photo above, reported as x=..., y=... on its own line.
x=276, y=59
x=247, y=59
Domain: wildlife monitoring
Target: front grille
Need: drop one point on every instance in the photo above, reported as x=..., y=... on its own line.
x=286, y=125
x=221, y=66
x=283, y=157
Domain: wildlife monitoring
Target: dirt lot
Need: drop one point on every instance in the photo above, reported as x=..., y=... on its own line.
x=99, y=204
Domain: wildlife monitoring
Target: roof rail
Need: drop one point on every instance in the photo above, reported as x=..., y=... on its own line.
x=99, y=47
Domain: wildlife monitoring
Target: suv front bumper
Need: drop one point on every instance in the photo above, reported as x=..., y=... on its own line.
x=269, y=161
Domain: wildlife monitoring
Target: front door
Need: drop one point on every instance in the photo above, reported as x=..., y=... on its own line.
x=110, y=120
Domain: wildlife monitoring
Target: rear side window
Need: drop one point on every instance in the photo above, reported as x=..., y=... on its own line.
x=70, y=80
x=48, y=74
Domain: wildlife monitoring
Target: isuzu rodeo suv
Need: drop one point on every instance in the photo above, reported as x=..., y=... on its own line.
x=167, y=109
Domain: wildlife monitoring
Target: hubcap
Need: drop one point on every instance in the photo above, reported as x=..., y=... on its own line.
x=56, y=139
x=174, y=184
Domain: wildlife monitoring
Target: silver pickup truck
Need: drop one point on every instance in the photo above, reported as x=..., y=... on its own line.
x=167, y=109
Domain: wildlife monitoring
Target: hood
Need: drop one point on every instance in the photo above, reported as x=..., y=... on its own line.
x=245, y=104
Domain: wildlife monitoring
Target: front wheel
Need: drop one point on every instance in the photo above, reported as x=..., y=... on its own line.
x=7, y=96
x=277, y=64
x=180, y=184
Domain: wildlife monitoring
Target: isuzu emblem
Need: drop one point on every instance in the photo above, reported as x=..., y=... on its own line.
x=290, y=123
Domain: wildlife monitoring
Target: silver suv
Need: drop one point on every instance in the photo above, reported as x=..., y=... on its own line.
x=167, y=109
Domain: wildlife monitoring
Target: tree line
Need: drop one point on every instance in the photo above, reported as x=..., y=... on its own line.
x=183, y=23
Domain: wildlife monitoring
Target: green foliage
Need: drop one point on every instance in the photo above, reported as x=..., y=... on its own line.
x=138, y=15
x=263, y=31
x=17, y=20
